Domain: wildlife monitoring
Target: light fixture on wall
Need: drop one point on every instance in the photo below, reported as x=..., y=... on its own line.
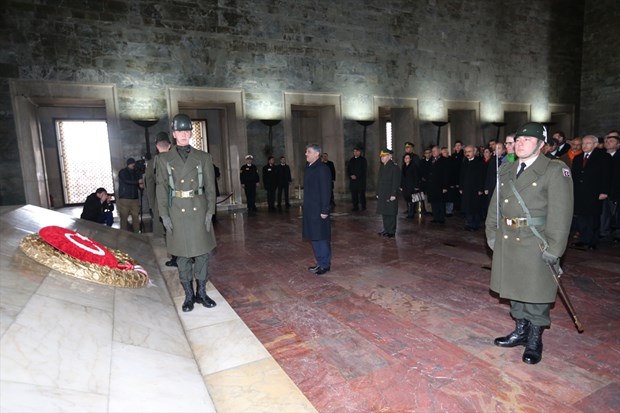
x=146, y=124
x=439, y=125
x=499, y=125
x=365, y=124
x=271, y=123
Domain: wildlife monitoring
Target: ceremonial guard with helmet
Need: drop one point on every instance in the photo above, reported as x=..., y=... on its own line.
x=187, y=201
x=527, y=227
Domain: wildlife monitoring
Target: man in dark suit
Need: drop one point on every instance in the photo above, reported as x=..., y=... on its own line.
x=284, y=180
x=316, y=209
x=438, y=184
x=591, y=172
x=610, y=218
x=356, y=171
x=270, y=182
x=388, y=188
x=471, y=187
x=562, y=146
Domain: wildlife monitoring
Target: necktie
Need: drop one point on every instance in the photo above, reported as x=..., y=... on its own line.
x=585, y=160
x=521, y=169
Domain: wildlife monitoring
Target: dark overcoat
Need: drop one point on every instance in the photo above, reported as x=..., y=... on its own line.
x=518, y=271
x=317, y=195
x=358, y=167
x=471, y=183
x=591, y=181
x=189, y=237
x=388, y=185
x=438, y=179
x=409, y=180
x=270, y=177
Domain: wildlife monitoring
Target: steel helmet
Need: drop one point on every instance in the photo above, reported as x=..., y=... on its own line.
x=181, y=122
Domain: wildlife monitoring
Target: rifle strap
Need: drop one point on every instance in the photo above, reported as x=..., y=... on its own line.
x=526, y=211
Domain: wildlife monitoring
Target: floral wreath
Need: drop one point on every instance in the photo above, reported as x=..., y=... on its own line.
x=74, y=254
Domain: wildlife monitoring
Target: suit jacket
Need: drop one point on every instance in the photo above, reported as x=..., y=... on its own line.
x=388, y=185
x=591, y=181
x=358, y=167
x=270, y=177
x=438, y=180
x=471, y=182
x=317, y=196
x=189, y=236
x=518, y=271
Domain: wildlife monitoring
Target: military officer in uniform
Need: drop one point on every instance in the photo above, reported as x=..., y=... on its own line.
x=186, y=199
x=535, y=197
x=388, y=188
x=249, y=179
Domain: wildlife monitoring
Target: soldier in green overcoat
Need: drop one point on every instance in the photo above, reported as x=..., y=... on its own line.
x=388, y=188
x=186, y=199
x=535, y=202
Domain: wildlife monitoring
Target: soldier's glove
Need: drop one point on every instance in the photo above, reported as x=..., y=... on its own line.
x=209, y=222
x=167, y=224
x=550, y=259
x=491, y=243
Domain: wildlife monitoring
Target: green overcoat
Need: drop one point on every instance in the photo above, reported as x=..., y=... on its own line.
x=518, y=271
x=189, y=237
x=388, y=184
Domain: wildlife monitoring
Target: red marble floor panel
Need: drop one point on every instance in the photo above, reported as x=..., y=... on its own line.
x=605, y=400
x=407, y=324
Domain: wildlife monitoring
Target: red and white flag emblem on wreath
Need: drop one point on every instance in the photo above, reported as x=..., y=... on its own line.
x=78, y=246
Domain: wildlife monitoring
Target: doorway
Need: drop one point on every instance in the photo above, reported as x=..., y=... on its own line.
x=84, y=158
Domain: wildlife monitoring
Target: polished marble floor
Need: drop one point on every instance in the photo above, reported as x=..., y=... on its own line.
x=397, y=325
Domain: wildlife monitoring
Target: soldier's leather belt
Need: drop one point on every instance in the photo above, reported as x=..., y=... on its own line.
x=524, y=222
x=186, y=194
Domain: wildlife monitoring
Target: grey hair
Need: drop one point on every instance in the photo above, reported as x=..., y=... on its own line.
x=314, y=146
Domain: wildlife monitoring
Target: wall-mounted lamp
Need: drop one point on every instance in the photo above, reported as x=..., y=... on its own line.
x=365, y=124
x=439, y=125
x=146, y=124
x=271, y=123
x=499, y=125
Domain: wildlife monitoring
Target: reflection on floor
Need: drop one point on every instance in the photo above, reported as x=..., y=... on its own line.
x=398, y=325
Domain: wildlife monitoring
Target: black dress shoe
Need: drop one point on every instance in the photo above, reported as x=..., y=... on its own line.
x=314, y=269
x=172, y=262
x=388, y=235
x=579, y=244
x=591, y=247
x=321, y=270
x=381, y=234
x=355, y=209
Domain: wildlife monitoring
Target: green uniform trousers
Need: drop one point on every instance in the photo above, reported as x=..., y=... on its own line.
x=537, y=314
x=190, y=266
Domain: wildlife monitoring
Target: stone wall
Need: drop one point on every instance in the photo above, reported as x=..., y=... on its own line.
x=434, y=50
x=600, y=71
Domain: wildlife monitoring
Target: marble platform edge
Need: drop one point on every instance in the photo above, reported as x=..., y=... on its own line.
x=279, y=398
x=49, y=373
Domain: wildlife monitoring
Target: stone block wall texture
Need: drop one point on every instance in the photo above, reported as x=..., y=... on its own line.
x=491, y=51
x=600, y=71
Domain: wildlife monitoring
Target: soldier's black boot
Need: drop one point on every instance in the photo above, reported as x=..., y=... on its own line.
x=534, y=347
x=202, y=294
x=188, y=304
x=197, y=299
x=519, y=337
x=172, y=262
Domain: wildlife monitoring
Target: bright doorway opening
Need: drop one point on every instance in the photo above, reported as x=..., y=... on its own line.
x=84, y=152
